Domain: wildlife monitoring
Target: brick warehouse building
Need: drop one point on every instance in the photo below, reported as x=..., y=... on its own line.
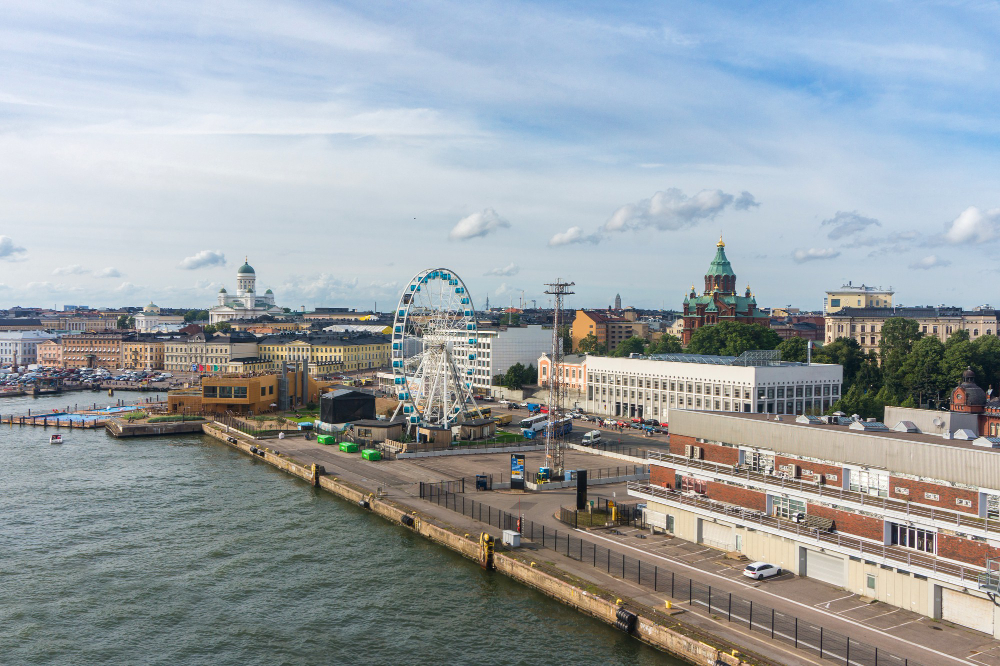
x=905, y=518
x=719, y=302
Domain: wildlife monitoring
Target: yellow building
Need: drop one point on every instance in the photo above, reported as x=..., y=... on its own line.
x=327, y=353
x=92, y=350
x=208, y=353
x=850, y=296
x=142, y=354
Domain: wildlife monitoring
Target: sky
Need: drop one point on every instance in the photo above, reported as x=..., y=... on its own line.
x=147, y=148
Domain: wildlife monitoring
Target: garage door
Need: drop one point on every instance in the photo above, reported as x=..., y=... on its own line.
x=716, y=535
x=825, y=567
x=967, y=610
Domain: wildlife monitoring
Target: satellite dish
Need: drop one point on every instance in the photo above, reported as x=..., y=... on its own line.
x=938, y=421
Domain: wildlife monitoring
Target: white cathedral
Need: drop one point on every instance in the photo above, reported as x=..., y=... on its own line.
x=246, y=304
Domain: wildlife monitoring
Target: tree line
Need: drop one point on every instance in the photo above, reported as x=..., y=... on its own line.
x=909, y=369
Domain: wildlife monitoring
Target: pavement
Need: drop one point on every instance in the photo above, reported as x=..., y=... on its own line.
x=909, y=635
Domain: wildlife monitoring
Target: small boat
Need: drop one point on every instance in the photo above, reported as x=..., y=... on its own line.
x=55, y=439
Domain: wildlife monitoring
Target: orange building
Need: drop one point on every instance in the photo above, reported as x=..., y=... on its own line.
x=92, y=350
x=50, y=354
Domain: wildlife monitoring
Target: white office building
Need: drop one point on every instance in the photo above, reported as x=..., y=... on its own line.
x=756, y=382
x=498, y=349
x=21, y=347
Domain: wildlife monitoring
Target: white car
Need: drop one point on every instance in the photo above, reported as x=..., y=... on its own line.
x=761, y=570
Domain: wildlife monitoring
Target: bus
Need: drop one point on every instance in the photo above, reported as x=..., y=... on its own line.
x=532, y=420
x=560, y=428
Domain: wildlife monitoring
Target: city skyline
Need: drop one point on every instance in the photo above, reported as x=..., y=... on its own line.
x=148, y=149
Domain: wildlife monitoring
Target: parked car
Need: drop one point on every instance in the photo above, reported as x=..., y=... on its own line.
x=761, y=570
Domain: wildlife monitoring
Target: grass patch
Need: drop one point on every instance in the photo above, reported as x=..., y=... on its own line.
x=171, y=419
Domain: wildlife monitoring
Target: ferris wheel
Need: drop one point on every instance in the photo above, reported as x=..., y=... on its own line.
x=434, y=349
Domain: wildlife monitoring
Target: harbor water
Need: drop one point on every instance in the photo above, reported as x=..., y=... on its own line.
x=182, y=551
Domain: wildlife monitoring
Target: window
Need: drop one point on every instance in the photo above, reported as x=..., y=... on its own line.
x=993, y=506
x=870, y=581
x=786, y=508
x=210, y=392
x=691, y=485
x=240, y=392
x=762, y=463
x=911, y=537
x=225, y=391
x=835, y=302
x=263, y=390
x=870, y=483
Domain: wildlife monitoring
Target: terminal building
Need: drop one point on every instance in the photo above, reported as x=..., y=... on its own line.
x=755, y=382
x=891, y=513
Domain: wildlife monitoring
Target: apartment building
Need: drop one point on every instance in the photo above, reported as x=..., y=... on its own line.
x=756, y=382
x=92, y=350
x=865, y=324
x=21, y=347
x=851, y=296
x=327, y=353
x=610, y=327
x=889, y=513
x=143, y=354
x=497, y=349
x=207, y=353
x=50, y=353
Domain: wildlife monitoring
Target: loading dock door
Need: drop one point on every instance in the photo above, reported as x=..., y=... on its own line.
x=825, y=567
x=717, y=535
x=967, y=610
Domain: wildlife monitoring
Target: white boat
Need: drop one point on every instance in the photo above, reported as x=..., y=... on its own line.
x=55, y=439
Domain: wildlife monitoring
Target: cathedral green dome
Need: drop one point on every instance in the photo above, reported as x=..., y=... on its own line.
x=245, y=269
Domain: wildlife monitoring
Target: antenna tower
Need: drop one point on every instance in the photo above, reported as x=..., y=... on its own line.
x=553, y=450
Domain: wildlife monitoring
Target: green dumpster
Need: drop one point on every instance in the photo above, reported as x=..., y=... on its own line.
x=371, y=454
x=326, y=439
x=348, y=447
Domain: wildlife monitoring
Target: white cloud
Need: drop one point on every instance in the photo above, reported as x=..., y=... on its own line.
x=573, y=235
x=928, y=262
x=745, y=201
x=973, y=226
x=848, y=224
x=672, y=210
x=504, y=288
x=814, y=253
x=203, y=259
x=126, y=287
x=507, y=271
x=478, y=224
x=109, y=272
x=75, y=269
x=9, y=251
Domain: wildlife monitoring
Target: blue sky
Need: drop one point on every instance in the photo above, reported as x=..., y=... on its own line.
x=146, y=148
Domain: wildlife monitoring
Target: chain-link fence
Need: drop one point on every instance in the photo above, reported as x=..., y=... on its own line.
x=757, y=617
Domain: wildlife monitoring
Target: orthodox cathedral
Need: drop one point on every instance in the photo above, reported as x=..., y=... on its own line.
x=246, y=304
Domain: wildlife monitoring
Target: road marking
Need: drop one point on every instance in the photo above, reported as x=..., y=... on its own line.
x=847, y=610
x=903, y=624
x=797, y=603
x=894, y=610
x=827, y=603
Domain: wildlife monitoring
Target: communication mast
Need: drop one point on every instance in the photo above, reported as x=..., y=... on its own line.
x=553, y=448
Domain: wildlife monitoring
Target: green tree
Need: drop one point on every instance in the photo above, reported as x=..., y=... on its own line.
x=510, y=319
x=633, y=345
x=126, y=321
x=517, y=376
x=210, y=329
x=987, y=357
x=842, y=351
x=589, y=345
x=898, y=336
x=666, y=344
x=731, y=338
x=959, y=354
x=923, y=377
x=195, y=315
x=224, y=327
x=793, y=349
x=566, y=333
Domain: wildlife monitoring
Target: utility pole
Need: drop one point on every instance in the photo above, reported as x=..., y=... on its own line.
x=553, y=449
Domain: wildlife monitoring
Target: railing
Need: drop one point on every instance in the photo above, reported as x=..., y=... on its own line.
x=757, y=617
x=849, y=544
x=869, y=502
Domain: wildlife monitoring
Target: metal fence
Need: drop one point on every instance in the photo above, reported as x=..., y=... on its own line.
x=757, y=617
